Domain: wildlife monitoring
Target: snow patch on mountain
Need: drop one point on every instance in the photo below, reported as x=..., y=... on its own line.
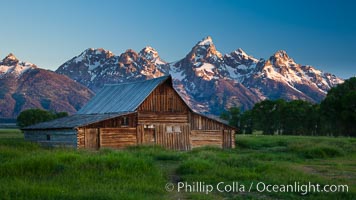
x=11, y=65
x=205, y=71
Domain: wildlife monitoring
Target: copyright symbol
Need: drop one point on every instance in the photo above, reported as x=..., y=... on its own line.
x=169, y=187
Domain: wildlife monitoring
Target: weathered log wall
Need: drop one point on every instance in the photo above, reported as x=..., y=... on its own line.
x=199, y=122
x=116, y=122
x=178, y=140
x=157, y=118
x=200, y=138
x=117, y=137
x=163, y=99
x=52, y=137
x=95, y=138
x=207, y=131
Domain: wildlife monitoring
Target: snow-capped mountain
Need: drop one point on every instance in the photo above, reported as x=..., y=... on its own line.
x=96, y=67
x=23, y=85
x=152, y=55
x=10, y=65
x=205, y=78
x=281, y=77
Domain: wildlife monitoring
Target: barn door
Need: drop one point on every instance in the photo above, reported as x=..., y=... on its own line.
x=149, y=136
x=92, y=138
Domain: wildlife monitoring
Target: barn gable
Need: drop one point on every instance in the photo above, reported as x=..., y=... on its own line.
x=164, y=99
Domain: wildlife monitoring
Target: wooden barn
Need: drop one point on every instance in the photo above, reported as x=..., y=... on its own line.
x=145, y=112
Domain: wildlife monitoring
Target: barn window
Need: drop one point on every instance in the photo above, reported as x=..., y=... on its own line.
x=48, y=137
x=124, y=121
x=176, y=129
x=169, y=129
x=149, y=126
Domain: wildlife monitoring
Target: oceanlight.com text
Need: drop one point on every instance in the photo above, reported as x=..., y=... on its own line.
x=236, y=187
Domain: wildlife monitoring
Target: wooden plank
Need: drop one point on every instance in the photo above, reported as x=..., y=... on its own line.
x=163, y=99
x=155, y=117
x=206, y=137
x=80, y=138
x=118, y=137
x=115, y=122
x=199, y=122
x=91, y=138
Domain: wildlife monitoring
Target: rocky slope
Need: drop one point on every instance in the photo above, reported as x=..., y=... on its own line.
x=23, y=85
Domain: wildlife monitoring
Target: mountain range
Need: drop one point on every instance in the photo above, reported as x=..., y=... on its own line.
x=208, y=80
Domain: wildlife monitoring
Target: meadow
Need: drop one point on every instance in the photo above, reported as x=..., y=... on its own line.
x=29, y=171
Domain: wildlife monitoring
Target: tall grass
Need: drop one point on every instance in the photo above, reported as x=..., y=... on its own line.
x=276, y=160
x=28, y=171
x=36, y=173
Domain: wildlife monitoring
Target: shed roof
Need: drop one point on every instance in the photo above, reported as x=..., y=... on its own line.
x=121, y=97
x=74, y=121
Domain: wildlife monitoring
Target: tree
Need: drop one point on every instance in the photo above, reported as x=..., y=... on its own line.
x=264, y=116
x=298, y=118
x=338, y=109
x=60, y=114
x=34, y=116
x=246, y=122
x=280, y=117
x=232, y=116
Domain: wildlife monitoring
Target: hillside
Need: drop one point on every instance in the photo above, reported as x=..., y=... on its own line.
x=23, y=85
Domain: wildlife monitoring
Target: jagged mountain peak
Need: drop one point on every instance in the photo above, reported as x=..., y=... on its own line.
x=11, y=56
x=148, y=49
x=12, y=66
x=10, y=60
x=207, y=41
x=282, y=59
x=129, y=56
x=240, y=51
x=91, y=57
x=130, y=51
x=205, y=50
x=98, y=51
x=242, y=55
x=311, y=83
x=281, y=54
x=149, y=53
x=152, y=55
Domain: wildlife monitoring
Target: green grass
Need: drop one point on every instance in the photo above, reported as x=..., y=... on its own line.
x=28, y=171
x=10, y=133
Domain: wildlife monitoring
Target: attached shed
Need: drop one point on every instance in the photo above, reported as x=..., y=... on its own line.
x=145, y=112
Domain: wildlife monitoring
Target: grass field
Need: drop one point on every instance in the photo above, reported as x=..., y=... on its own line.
x=28, y=171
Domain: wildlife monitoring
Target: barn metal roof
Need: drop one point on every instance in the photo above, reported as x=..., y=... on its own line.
x=74, y=121
x=121, y=97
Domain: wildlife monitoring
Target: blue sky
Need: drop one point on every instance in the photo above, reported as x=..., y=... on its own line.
x=48, y=33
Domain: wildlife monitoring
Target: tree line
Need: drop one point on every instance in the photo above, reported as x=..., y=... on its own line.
x=334, y=116
x=34, y=116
